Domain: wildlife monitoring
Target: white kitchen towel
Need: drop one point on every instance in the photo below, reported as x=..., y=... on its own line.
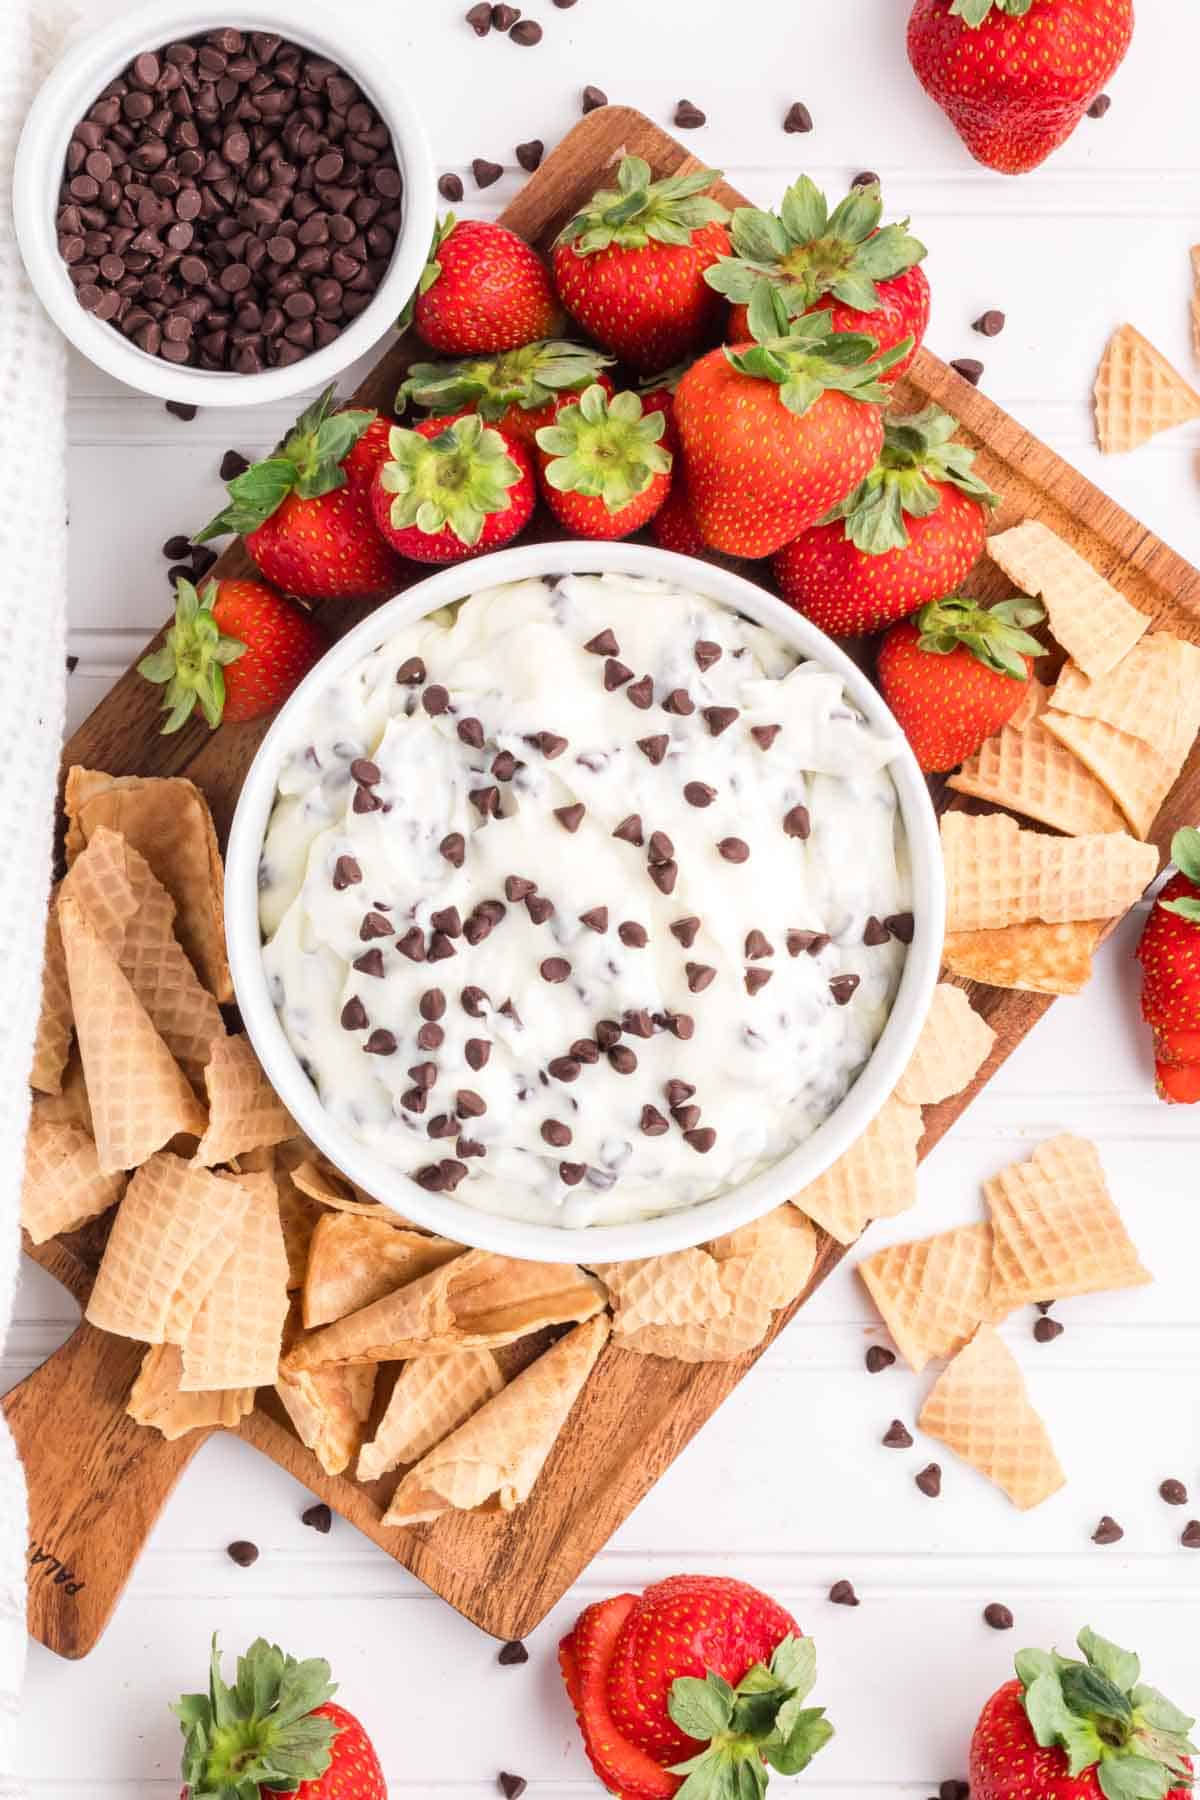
x=33, y=608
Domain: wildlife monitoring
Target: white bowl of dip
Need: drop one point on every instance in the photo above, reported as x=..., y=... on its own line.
x=448, y=1213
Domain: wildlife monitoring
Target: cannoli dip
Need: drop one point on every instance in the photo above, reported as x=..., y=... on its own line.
x=585, y=901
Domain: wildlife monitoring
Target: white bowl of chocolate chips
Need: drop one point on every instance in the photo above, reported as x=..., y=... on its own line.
x=222, y=206
x=319, y=751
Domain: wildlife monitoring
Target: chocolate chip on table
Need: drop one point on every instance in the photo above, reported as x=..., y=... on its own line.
x=592, y=98
x=898, y=1436
x=176, y=548
x=318, y=1517
x=233, y=464
x=1191, y=1535
x=479, y=18
x=511, y=1786
x=1107, y=1531
x=797, y=117
x=843, y=1594
x=998, y=1617
x=512, y=1654
x=485, y=173
x=990, y=323
x=969, y=367
x=930, y=1480
x=866, y=178
x=688, y=116
x=878, y=1359
x=72, y=664
x=450, y=187
x=1046, y=1330
x=242, y=1552
x=1174, y=1493
x=504, y=17
x=530, y=155
x=181, y=409
x=527, y=33
x=954, y=1790
x=1099, y=106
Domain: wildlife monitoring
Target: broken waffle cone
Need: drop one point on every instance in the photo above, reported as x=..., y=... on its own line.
x=329, y=1408
x=477, y=1301
x=432, y=1397
x=155, y=1398
x=979, y=1409
x=1034, y=959
x=52, y=1040
x=1093, y=622
x=353, y=1262
x=1033, y=704
x=722, y=1337
x=1153, y=693
x=237, y=1334
x=1056, y=1230
x=171, y=1235
x=298, y=1219
x=168, y=821
x=1138, y=393
x=1137, y=777
x=63, y=1185
x=932, y=1295
x=244, y=1111
x=316, y=1177
x=770, y=1261
x=680, y=1288
x=998, y=874
x=140, y=1098
x=954, y=1044
x=490, y=1463
x=1196, y=299
x=875, y=1179
x=1031, y=772
x=70, y=1105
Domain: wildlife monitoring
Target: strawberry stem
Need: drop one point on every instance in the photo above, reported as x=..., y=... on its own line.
x=805, y=357
x=308, y=463
x=917, y=452
x=190, y=664
x=640, y=211
x=528, y=378
x=604, y=448
x=457, y=478
x=262, y=1732
x=995, y=635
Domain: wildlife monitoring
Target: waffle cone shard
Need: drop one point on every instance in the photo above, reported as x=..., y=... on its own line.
x=320, y=1181
x=1094, y=623
x=1153, y=694
x=875, y=1179
x=770, y=1261
x=491, y=1463
x=170, y=1237
x=933, y=1294
x=954, y=1044
x=1138, y=393
x=329, y=1408
x=1057, y=1232
x=1032, y=773
x=1136, y=776
x=1195, y=255
x=52, y=1040
x=722, y=1337
x=997, y=874
x=63, y=1185
x=298, y=1218
x=236, y=1336
x=353, y=1261
x=477, y=1301
x=979, y=1408
x=1035, y=958
x=155, y=1398
x=244, y=1111
x=680, y=1288
x=432, y=1397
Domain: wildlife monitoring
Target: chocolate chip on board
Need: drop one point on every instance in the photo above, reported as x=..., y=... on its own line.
x=511, y=1786
x=318, y=1517
x=450, y=187
x=592, y=98
x=878, y=1359
x=969, y=367
x=929, y=1480
x=1107, y=1531
x=998, y=1617
x=797, y=117
x=897, y=1436
x=990, y=323
x=242, y=1552
x=1174, y=1493
x=512, y=1654
x=842, y=1594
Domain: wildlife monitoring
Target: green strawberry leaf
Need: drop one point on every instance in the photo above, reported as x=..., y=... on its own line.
x=189, y=667
x=1053, y=1723
x=1089, y=1693
x=1185, y=852
x=801, y=1733
x=974, y=12
x=641, y=211
x=527, y=377
x=606, y=449
x=1133, y=1778
x=803, y=214
x=701, y=1709
x=455, y=479
x=717, y=1776
x=1186, y=909
x=1029, y=1664
x=994, y=636
x=260, y=1734
x=794, y=1664
x=1121, y=1667
x=917, y=452
x=1159, y=1712
x=758, y=236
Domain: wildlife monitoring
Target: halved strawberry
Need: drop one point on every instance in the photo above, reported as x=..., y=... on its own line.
x=585, y=1656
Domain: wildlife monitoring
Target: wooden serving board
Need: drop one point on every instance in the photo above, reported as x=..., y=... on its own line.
x=97, y=1481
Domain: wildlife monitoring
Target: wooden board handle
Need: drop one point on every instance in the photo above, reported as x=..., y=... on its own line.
x=97, y=1482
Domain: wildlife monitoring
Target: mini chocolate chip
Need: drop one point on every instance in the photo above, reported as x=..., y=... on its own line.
x=796, y=822
x=571, y=1173
x=363, y=770
x=901, y=926
x=1191, y=1535
x=604, y=644
x=664, y=876
x=585, y=1050
x=930, y=1481
x=595, y=918
x=550, y=744
x=539, y=908
x=797, y=117
x=374, y=925
x=1046, y=1330
x=477, y=1051
x=990, y=324
x=592, y=98
x=527, y=33
x=381, y=1043
x=679, y=702
x=641, y=693
x=447, y=920
x=470, y=1147
x=681, y=1025
x=757, y=946
x=616, y=674
x=423, y=1074
x=698, y=793
x=678, y=1091
x=554, y=969
x=765, y=735
x=346, y=873
x=699, y=976
x=998, y=1617
x=181, y=409
x=875, y=932
x=443, y=1126
x=1107, y=1531
x=652, y=1121
x=686, y=1117
x=954, y=1790
x=411, y=673
x=318, y=1517
x=608, y=1033
x=688, y=117
x=468, y=1104
x=530, y=155
x=450, y=187
x=630, y=830
x=369, y=963
x=504, y=16
x=556, y=1134
x=756, y=980
x=505, y=765
x=242, y=1552
x=701, y=1140
x=897, y=1436
x=486, y=173
x=969, y=367
x=512, y=1654
x=685, y=931
x=866, y=178
x=634, y=935
x=564, y=1068
x=435, y=699
x=432, y=1004
x=430, y=1037
x=1174, y=1493
x=660, y=848
x=843, y=1594
x=516, y=887
x=842, y=987
x=479, y=18
x=365, y=801
x=412, y=944
x=511, y=1786
x=431, y=1178
x=734, y=849
x=570, y=817
x=176, y=548
x=1099, y=106
x=623, y=1059
x=486, y=801
x=878, y=1359
x=654, y=749
x=354, y=1015
x=719, y=718
x=454, y=848
x=637, y=1022
x=706, y=653
x=473, y=1000
x=415, y=1100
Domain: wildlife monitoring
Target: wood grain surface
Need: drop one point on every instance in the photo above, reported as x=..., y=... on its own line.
x=636, y=1414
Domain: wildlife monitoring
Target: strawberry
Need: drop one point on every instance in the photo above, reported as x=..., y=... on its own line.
x=1177, y=1085
x=304, y=510
x=630, y=267
x=237, y=650
x=517, y=390
x=911, y=531
x=1071, y=1730
x=1169, y=952
x=452, y=488
x=777, y=432
x=276, y=1731
x=690, y=1689
x=604, y=471
x=482, y=289
x=956, y=673
x=866, y=276
x=674, y=526
x=1015, y=77
x=1179, y=1048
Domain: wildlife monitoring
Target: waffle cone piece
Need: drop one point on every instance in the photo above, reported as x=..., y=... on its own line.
x=932, y=1295
x=1094, y=623
x=1136, y=776
x=997, y=874
x=244, y=1111
x=722, y=1337
x=353, y=1262
x=478, y=1301
x=140, y=1097
x=1057, y=1232
x=1032, y=773
x=1035, y=959
x=1152, y=694
x=298, y=1218
x=329, y=1408
x=70, y=1106
x=980, y=1409
x=316, y=1177
x=1138, y=394
x=63, y=1185
x=169, y=1240
x=771, y=1260
x=954, y=1044
x=681, y=1288
x=875, y=1179
x=135, y=916
x=491, y=1463
x=156, y=1400
x=432, y=1397
x=1195, y=254
x=52, y=1040
x=168, y=821
x=237, y=1335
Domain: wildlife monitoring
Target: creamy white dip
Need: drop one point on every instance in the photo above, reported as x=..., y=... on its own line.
x=573, y=900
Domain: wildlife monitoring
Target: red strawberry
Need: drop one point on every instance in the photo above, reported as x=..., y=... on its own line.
x=452, y=488
x=236, y=651
x=1179, y=1048
x=956, y=673
x=482, y=289
x=864, y=275
x=907, y=534
x=1177, y=1085
x=276, y=1730
x=1169, y=952
x=304, y=510
x=1015, y=77
x=776, y=433
x=674, y=526
x=604, y=470
x=630, y=267
x=517, y=390
x=1071, y=1730
x=663, y=1689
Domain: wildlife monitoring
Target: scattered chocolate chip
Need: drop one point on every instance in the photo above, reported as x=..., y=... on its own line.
x=1107, y=1531
x=1191, y=1535
x=664, y=876
x=346, y=873
x=843, y=1594
x=798, y=824
x=734, y=849
x=660, y=848
x=430, y=1037
x=512, y=1654
x=468, y=1104
x=998, y=1617
x=685, y=931
x=511, y=1786
x=604, y=644
x=652, y=1121
x=680, y=1025
x=1046, y=1330
x=369, y=963
x=450, y=187
x=423, y=1075
x=527, y=33
x=182, y=409
x=570, y=817
x=930, y=1481
x=706, y=653
x=592, y=98
x=363, y=770
x=898, y=1436
x=412, y=944
x=550, y=744
x=632, y=934
x=479, y=18
x=689, y=117
x=564, y=1068
x=719, y=718
x=233, y=464
x=678, y=1091
x=813, y=942
x=431, y=1178
x=1174, y=1493
x=875, y=932
x=630, y=830
x=989, y=324
x=680, y=703
x=765, y=735
x=699, y=976
x=505, y=765
x=242, y=1552
x=486, y=173
x=473, y=1000
x=608, y=1033
x=585, y=1050
x=177, y=548
x=757, y=946
x=842, y=987
x=554, y=969
x=901, y=926
x=504, y=17
x=318, y=1517
x=616, y=674
x=878, y=1359
x=556, y=1134
x=365, y=801
x=374, y=925
x=411, y=673
x=486, y=801
x=701, y=1140
x=595, y=918
x=516, y=887
x=530, y=155
x=686, y=1117
x=354, y=1015
x=623, y=1059
x=572, y=1173
x=867, y=178
x=698, y=793
x=969, y=367
x=654, y=749
x=797, y=117
x=1099, y=106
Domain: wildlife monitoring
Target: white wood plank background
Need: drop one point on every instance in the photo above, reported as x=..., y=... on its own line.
x=788, y=1485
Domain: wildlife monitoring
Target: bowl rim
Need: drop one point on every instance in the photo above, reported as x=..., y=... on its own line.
x=61, y=102
x=687, y=1226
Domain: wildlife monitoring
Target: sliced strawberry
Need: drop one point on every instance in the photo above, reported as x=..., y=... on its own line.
x=1177, y=1086
x=585, y=1657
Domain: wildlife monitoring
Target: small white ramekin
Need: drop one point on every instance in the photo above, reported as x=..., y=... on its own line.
x=453, y=1217
x=73, y=87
